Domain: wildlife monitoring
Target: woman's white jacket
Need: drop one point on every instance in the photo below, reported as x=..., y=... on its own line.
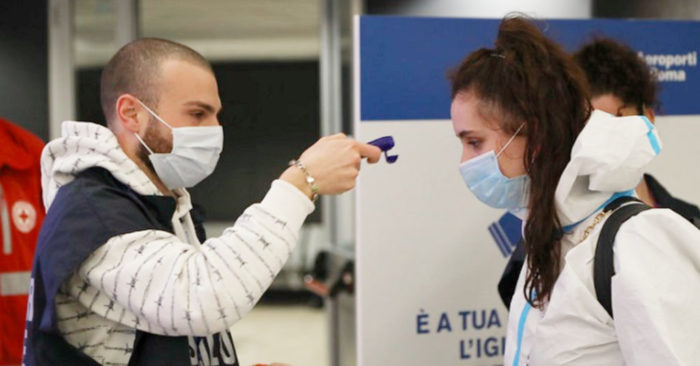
x=656, y=288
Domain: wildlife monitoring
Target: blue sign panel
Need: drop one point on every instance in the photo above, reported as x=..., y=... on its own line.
x=405, y=61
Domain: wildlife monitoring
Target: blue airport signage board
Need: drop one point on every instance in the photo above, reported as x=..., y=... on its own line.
x=405, y=61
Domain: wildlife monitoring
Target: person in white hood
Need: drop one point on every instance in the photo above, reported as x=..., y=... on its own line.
x=622, y=84
x=532, y=144
x=120, y=276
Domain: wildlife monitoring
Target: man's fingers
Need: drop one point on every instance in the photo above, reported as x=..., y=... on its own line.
x=371, y=152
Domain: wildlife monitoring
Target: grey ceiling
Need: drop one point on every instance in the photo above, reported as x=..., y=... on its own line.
x=219, y=29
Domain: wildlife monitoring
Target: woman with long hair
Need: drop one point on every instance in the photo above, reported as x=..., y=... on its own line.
x=532, y=144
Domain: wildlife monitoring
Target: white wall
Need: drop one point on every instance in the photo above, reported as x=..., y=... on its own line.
x=676, y=167
x=423, y=249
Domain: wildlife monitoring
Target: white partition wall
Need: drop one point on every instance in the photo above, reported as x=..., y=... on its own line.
x=427, y=271
x=677, y=167
x=427, y=268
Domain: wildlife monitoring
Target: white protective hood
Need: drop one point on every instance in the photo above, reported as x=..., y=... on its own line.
x=610, y=155
x=85, y=145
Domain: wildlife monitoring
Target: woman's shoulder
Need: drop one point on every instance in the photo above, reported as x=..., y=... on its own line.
x=658, y=226
x=656, y=243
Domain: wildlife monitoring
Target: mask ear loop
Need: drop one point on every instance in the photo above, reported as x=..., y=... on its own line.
x=511, y=139
x=150, y=152
x=154, y=114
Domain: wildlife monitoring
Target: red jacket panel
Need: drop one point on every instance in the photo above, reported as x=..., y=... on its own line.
x=21, y=215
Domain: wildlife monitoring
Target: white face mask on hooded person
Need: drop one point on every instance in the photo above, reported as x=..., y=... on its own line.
x=194, y=155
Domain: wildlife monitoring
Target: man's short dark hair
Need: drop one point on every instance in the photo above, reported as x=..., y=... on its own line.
x=135, y=69
x=614, y=68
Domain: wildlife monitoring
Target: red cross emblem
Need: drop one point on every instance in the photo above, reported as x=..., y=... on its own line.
x=24, y=216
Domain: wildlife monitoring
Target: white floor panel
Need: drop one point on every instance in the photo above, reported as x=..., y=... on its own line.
x=295, y=335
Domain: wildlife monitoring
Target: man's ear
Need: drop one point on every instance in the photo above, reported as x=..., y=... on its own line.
x=649, y=113
x=128, y=111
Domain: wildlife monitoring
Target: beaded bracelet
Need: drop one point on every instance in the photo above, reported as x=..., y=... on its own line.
x=309, y=179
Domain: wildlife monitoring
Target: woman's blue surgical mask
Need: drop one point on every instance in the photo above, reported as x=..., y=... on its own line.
x=490, y=186
x=194, y=155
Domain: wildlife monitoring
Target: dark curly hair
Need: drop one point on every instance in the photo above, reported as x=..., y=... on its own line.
x=613, y=68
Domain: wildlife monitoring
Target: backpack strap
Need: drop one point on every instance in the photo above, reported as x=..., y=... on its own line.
x=615, y=204
x=603, y=265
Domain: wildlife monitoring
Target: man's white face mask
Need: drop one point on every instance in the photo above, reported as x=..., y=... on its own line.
x=194, y=155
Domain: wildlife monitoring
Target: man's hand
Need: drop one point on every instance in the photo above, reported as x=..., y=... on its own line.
x=334, y=162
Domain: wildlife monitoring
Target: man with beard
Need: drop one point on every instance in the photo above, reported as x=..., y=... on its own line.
x=120, y=276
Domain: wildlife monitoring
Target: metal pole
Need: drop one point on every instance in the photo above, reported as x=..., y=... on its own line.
x=330, y=94
x=127, y=21
x=62, y=103
x=331, y=123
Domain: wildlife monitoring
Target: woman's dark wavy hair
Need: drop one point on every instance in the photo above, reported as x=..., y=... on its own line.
x=529, y=79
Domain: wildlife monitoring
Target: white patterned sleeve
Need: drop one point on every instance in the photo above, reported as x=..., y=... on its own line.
x=152, y=281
